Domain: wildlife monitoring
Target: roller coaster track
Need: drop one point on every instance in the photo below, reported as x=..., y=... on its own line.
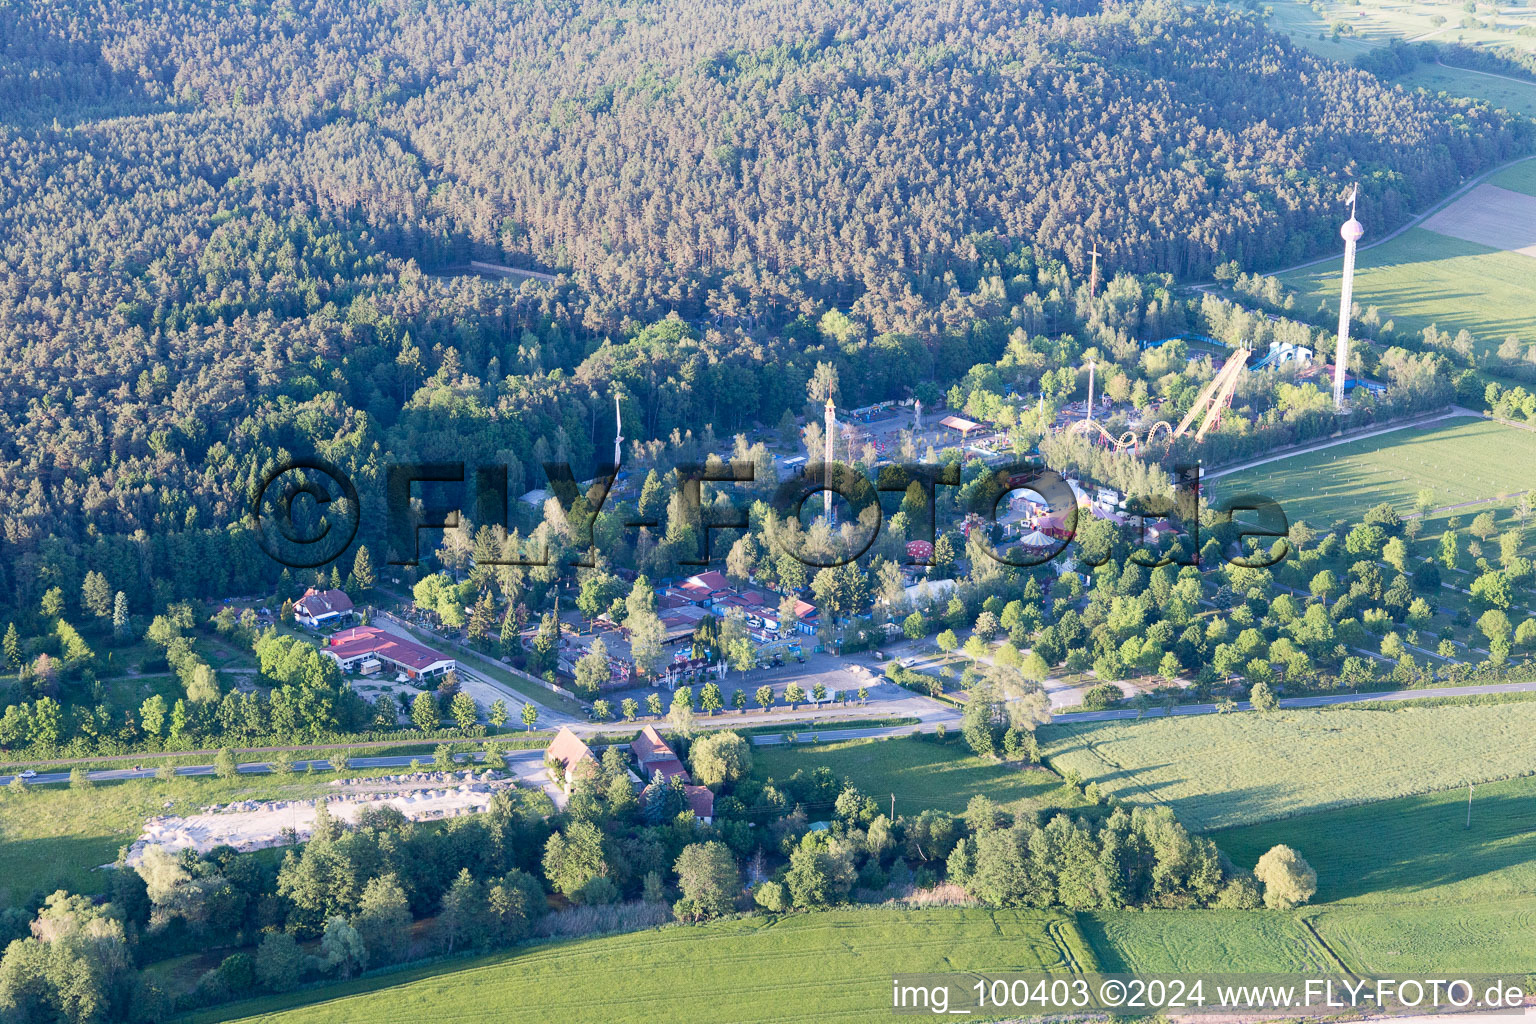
x=1214, y=399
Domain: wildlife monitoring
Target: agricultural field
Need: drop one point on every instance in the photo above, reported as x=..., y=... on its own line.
x=921, y=773
x=1459, y=938
x=1507, y=94
x=1441, y=273
x=1457, y=460
x=1373, y=23
x=1195, y=941
x=1224, y=770
x=1484, y=938
x=832, y=966
x=1421, y=848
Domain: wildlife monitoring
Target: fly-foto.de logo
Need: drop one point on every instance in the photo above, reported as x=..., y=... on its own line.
x=306, y=512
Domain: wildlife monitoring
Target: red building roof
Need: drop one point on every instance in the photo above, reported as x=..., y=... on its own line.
x=350, y=643
x=649, y=746
x=701, y=801
x=705, y=583
x=568, y=749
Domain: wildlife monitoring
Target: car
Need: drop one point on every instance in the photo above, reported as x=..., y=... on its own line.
x=28, y=774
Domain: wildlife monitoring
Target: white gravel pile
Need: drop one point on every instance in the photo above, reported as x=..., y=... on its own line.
x=258, y=824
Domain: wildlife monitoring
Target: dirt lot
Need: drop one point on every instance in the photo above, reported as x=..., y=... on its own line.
x=258, y=824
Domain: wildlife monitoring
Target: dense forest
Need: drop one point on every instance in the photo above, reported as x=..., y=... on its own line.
x=230, y=231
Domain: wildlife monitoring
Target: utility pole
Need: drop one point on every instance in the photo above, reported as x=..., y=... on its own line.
x=893, y=808
x=1090, y=390
x=1469, y=805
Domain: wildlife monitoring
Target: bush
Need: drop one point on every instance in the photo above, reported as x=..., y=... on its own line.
x=1289, y=880
x=770, y=896
x=237, y=973
x=1241, y=893
x=1102, y=696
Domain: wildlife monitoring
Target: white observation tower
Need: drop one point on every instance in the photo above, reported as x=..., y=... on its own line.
x=1351, y=233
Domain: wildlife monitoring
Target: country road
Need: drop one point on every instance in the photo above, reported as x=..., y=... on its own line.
x=1412, y=222
x=809, y=731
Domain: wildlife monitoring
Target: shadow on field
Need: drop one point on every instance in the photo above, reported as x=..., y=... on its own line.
x=1408, y=846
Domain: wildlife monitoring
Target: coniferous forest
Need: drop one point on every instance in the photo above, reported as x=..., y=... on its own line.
x=231, y=232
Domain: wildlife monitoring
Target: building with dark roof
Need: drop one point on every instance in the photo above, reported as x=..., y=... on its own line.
x=322, y=608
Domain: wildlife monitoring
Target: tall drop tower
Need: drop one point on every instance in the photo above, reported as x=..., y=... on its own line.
x=1351, y=233
x=618, y=431
x=831, y=429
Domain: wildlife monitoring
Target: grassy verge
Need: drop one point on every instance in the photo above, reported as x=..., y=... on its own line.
x=511, y=740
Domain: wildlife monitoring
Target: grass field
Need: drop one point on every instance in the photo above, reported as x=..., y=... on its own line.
x=1518, y=97
x=1223, y=770
x=1420, y=278
x=1420, y=847
x=1457, y=460
x=833, y=966
x=836, y=965
x=922, y=774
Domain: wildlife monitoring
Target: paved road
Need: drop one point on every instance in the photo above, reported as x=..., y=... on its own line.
x=529, y=763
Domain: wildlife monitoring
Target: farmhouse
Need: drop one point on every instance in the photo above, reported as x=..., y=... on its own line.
x=654, y=756
x=323, y=608
x=568, y=757
x=368, y=648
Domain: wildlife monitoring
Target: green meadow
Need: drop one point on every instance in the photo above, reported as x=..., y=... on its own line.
x=1421, y=849
x=919, y=773
x=830, y=966
x=1457, y=461
x=1421, y=278
x=1223, y=770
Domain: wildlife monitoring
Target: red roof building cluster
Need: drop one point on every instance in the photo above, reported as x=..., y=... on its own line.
x=352, y=647
x=653, y=755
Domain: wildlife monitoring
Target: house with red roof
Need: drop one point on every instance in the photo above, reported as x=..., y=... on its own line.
x=653, y=754
x=368, y=648
x=705, y=587
x=568, y=757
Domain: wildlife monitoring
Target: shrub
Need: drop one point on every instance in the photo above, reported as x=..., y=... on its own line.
x=1102, y=696
x=1289, y=880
